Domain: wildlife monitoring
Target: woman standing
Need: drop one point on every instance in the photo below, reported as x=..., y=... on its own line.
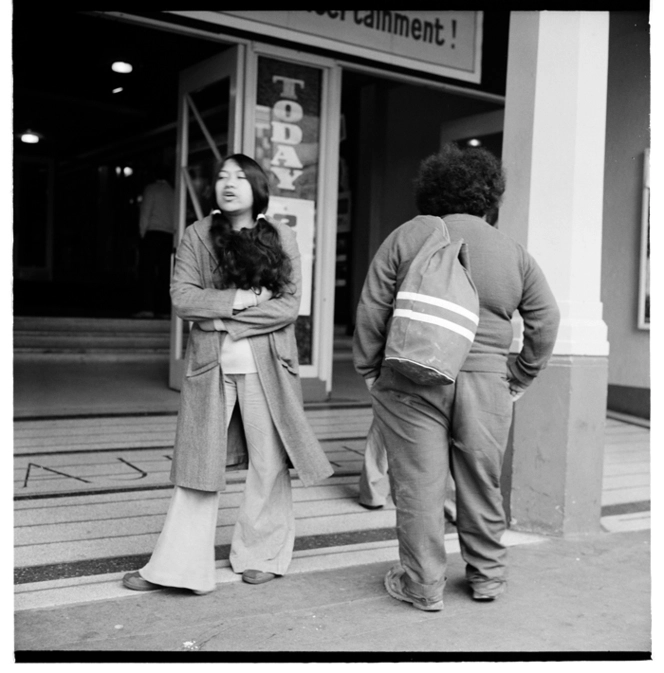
x=237, y=277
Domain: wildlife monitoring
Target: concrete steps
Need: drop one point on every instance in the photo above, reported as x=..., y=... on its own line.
x=120, y=338
x=39, y=336
x=95, y=490
x=94, y=500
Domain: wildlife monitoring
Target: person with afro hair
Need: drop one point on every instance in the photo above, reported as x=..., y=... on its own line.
x=460, y=430
x=470, y=181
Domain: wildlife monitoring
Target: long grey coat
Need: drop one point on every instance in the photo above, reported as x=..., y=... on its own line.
x=203, y=448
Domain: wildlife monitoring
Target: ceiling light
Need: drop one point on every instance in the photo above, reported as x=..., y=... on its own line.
x=474, y=142
x=121, y=66
x=117, y=89
x=128, y=170
x=31, y=137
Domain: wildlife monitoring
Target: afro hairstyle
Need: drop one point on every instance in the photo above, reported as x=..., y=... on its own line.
x=469, y=180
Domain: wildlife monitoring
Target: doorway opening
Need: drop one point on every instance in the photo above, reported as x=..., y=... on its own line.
x=387, y=128
x=102, y=136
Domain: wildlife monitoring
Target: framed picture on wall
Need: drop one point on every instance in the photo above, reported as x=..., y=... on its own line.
x=644, y=271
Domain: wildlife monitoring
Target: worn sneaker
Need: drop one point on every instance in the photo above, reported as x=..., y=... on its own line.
x=488, y=591
x=395, y=589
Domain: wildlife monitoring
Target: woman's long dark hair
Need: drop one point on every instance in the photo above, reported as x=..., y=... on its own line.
x=250, y=258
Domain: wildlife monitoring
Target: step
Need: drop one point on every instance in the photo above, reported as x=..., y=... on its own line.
x=108, y=586
x=92, y=337
x=88, y=325
x=89, y=341
x=125, y=338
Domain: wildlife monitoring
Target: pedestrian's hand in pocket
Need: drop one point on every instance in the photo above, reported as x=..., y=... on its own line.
x=517, y=389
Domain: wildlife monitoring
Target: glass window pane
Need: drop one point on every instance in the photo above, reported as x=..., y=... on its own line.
x=208, y=122
x=31, y=204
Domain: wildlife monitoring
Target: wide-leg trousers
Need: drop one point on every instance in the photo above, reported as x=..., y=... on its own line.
x=264, y=533
x=429, y=431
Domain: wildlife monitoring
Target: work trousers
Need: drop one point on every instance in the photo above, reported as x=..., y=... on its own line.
x=375, y=484
x=430, y=431
x=264, y=532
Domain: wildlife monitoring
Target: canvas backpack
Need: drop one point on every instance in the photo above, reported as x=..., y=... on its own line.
x=436, y=313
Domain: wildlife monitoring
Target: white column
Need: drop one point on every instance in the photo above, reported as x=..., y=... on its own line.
x=553, y=151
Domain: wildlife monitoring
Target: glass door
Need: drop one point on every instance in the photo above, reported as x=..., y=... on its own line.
x=33, y=218
x=210, y=103
x=291, y=128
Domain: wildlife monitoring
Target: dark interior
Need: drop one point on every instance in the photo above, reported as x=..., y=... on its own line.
x=63, y=90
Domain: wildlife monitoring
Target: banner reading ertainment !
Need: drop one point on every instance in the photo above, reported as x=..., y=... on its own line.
x=445, y=43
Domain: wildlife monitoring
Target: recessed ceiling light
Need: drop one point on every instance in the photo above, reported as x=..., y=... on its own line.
x=121, y=66
x=31, y=137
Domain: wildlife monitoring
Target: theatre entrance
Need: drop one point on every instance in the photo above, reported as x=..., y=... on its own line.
x=388, y=126
x=78, y=191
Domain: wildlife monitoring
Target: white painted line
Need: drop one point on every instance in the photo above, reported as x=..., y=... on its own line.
x=625, y=496
x=621, y=523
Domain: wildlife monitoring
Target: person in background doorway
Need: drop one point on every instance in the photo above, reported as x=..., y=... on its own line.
x=237, y=278
x=462, y=428
x=156, y=228
x=374, y=481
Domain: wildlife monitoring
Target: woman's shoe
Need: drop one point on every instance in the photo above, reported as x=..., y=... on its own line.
x=135, y=582
x=257, y=576
x=202, y=593
x=370, y=506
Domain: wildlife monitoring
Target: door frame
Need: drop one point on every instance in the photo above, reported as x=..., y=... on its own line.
x=317, y=376
x=230, y=63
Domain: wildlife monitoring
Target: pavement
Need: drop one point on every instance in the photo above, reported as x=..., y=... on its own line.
x=589, y=597
x=579, y=598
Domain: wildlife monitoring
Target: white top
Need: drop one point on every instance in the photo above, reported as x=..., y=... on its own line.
x=236, y=356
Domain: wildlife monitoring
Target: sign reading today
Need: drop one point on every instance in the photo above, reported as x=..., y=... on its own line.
x=300, y=214
x=288, y=101
x=448, y=44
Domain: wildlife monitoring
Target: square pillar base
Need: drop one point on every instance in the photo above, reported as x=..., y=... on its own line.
x=558, y=448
